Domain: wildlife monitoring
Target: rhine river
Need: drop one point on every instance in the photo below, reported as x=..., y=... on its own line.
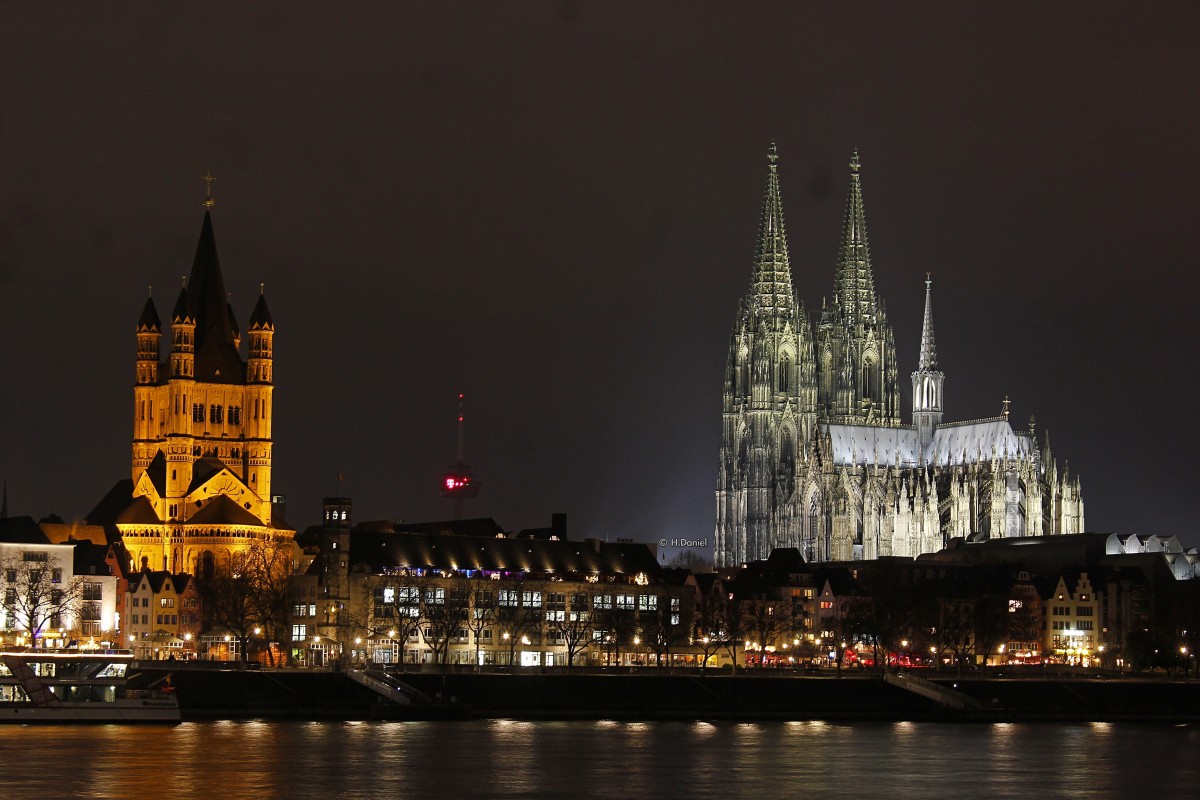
x=513, y=759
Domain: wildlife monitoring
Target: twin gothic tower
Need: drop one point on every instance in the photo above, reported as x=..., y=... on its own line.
x=814, y=454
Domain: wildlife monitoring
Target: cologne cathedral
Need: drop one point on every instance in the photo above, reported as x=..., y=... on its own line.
x=814, y=452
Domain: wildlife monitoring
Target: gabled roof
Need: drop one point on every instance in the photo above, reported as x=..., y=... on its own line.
x=21, y=530
x=202, y=470
x=156, y=579
x=221, y=510
x=156, y=471
x=112, y=504
x=139, y=512
x=952, y=443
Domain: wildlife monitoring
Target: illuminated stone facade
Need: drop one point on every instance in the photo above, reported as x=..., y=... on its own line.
x=813, y=453
x=202, y=444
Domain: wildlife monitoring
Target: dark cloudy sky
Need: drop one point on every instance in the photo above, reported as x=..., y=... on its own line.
x=552, y=207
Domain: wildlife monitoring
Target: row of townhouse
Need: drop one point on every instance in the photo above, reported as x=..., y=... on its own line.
x=66, y=585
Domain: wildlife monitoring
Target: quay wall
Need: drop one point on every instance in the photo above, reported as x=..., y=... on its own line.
x=208, y=693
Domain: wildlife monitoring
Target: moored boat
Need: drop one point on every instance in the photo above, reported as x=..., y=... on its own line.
x=77, y=686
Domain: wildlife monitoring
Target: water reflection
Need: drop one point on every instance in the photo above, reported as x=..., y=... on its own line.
x=507, y=758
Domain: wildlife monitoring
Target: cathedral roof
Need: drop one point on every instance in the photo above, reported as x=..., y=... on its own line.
x=986, y=437
x=952, y=443
x=217, y=360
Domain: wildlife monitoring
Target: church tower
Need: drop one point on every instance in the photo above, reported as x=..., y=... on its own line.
x=856, y=351
x=927, y=380
x=202, y=440
x=769, y=400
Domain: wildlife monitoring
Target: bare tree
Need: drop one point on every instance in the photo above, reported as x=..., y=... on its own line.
x=253, y=593
x=766, y=621
x=518, y=616
x=270, y=563
x=444, y=611
x=482, y=615
x=391, y=609
x=711, y=622
x=36, y=596
x=577, y=628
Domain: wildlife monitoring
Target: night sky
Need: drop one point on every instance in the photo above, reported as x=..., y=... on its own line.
x=553, y=208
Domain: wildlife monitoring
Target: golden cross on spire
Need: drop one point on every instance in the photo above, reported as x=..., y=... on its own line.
x=1005, y=406
x=208, y=179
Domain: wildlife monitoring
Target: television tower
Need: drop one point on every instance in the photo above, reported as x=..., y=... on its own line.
x=458, y=482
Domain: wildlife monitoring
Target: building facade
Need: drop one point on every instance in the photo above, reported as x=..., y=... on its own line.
x=200, y=486
x=814, y=454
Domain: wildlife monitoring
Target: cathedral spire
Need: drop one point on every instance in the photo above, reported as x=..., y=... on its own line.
x=855, y=282
x=927, y=381
x=772, y=288
x=928, y=349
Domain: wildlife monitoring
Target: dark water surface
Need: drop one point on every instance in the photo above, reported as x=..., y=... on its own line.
x=512, y=759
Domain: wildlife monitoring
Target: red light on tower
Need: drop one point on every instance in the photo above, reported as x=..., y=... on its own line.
x=458, y=482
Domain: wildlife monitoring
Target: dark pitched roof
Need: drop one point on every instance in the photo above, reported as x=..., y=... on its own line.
x=375, y=552
x=21, y=530
x=221, y=510
x=260, y=317
x=139, y=512
x=112, y=504
x=155, y=578
x=480, y=526
x=92, y=559
x=217, y=360
x=156, y=471
x=180, y=312
x=149, y=321
x=203, y=469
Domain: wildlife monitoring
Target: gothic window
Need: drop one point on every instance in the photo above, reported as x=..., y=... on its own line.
x=827, y=372
x=785, y=373
x=787, y=451
x=870, y=378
